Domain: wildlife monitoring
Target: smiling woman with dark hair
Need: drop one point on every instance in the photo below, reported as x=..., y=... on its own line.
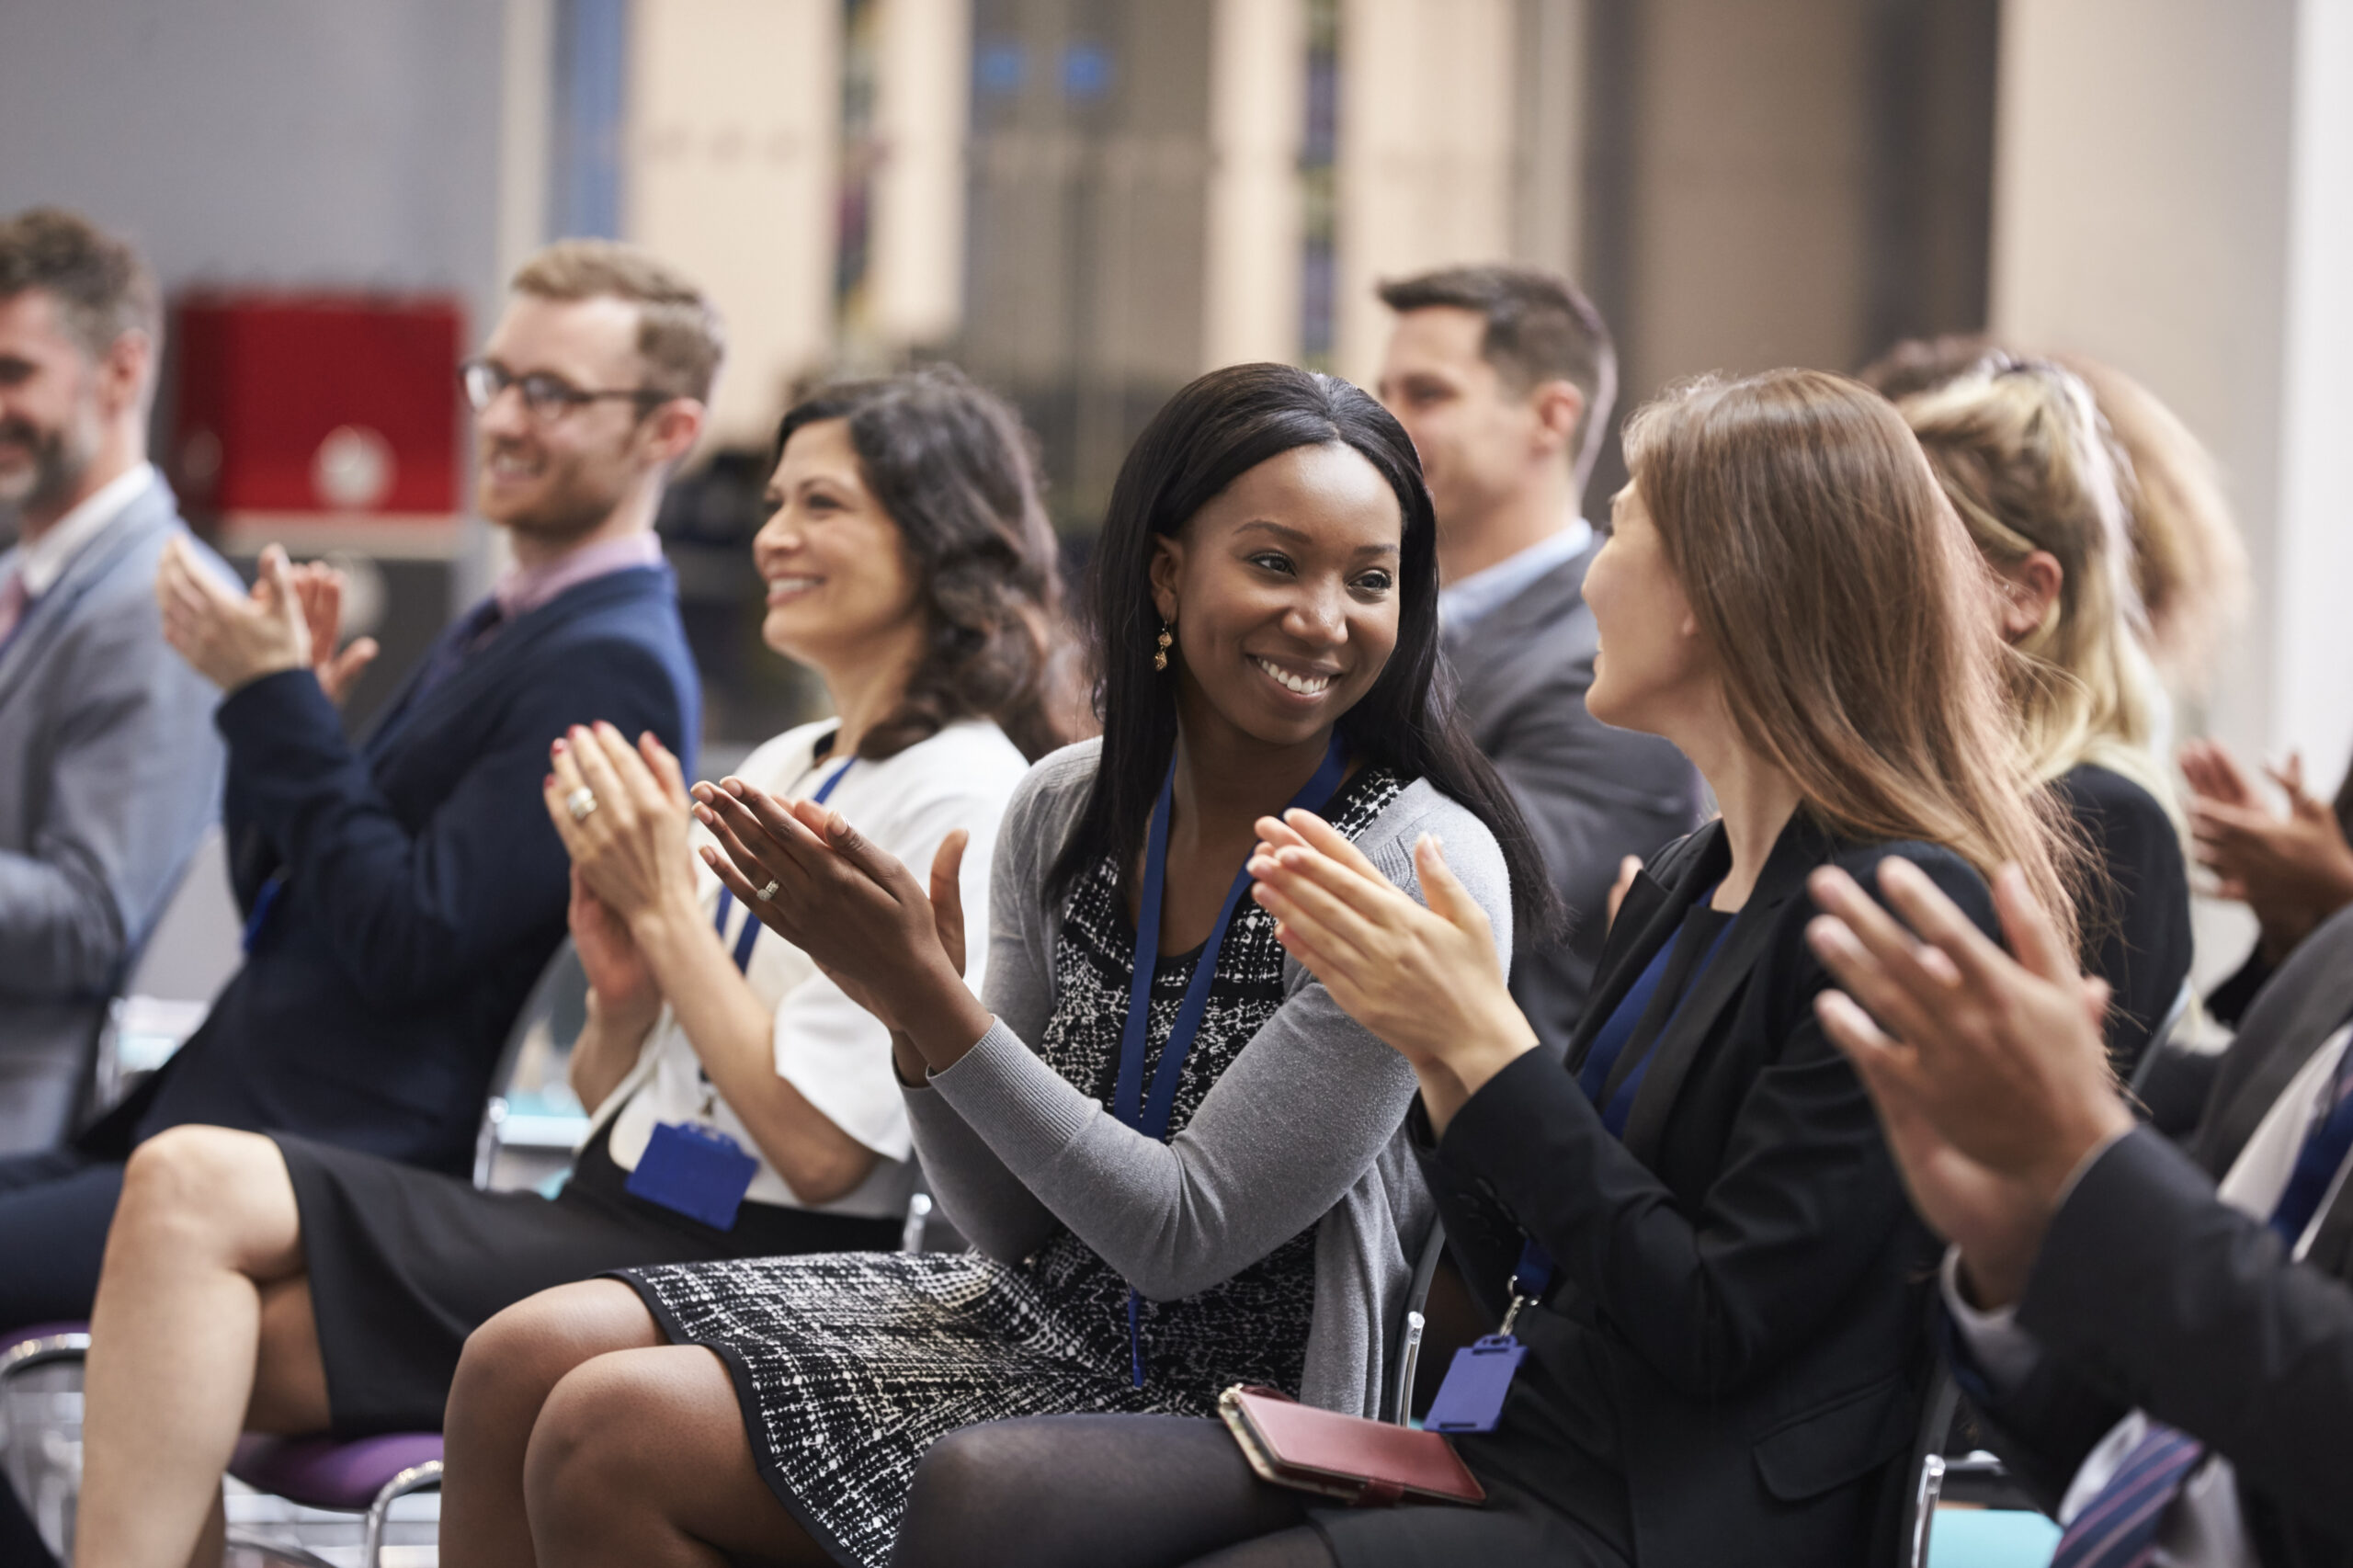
x=1181, y=1163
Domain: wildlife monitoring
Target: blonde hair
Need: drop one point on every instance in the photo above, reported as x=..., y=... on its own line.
x=1849, y=616
x=2023, y=456
x=2188, y=561
x=678, y=333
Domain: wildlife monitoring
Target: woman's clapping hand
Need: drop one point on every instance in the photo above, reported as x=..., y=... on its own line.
x=859, y=915
x=1427, y=980
x=630, y=845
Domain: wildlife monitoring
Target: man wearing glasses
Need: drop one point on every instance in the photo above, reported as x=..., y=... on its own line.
x=401, y=895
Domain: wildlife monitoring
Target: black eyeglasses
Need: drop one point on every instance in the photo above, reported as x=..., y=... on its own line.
x=547, y=396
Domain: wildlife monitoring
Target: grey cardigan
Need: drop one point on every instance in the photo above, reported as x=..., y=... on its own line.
x=1305, y=1128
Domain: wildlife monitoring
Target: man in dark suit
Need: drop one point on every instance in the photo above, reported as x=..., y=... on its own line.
x=402, y=894
x=110, y=770
x=1503, y=377
x=2160, y=1341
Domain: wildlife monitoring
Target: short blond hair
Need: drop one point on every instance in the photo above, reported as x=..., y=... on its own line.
x=678, y=333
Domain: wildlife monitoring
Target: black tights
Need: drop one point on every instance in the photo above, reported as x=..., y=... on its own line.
x=1100, y=1492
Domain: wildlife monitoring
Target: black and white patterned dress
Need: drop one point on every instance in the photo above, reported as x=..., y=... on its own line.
x=850, y=1366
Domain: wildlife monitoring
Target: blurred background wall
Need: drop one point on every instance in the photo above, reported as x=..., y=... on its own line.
x=1086, y=202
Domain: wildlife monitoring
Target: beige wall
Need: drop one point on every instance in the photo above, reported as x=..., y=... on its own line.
x=2141, y=215
x=730, y=169
x=1747, y=230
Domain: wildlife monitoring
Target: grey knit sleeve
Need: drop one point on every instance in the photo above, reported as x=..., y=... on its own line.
x=1304, y=1111
x=981, y=1197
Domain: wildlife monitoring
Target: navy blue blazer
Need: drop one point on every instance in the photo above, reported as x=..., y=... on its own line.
x=424, y=888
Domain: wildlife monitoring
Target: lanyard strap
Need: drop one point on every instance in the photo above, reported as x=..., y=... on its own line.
x=750, y=935
x=1151, y=1118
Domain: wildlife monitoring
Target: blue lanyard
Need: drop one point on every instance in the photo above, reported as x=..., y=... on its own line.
x=750, y=934
x=1150, y=1117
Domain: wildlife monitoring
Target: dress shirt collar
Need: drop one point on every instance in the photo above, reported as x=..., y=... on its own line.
x=44, y=560
x=522, y=589
x=1465, y=604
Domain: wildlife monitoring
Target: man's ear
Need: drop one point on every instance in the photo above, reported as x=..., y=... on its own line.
x=1168, y=565
x=1560, y=407
x=673, y=427
x=126, y=370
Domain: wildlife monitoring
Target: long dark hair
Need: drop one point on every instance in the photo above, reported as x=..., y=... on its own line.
x=1205, y=438
x=952, y=466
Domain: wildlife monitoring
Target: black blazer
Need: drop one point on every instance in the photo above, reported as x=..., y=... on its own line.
x=2139, y=923
x=424, y=886
x=1592, y=795
x=2150, y=1294
x=1740, y=1304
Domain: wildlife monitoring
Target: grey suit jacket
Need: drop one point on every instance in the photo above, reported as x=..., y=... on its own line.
x=1592, y=794
x=110, y=771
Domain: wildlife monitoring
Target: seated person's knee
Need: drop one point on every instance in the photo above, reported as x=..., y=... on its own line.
x=521, y=1353
x=191, y=1173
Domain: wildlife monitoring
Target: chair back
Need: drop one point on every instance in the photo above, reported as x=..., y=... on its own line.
x=1926, y=1471
x=551, y=1017
x=1397, y=1400
x=174, y=970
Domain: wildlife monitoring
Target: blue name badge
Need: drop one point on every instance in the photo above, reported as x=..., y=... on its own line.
x=1472, y=1398
x=696, y=1171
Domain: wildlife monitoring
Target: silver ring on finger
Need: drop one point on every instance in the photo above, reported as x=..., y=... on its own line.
x=766, y=893
x=581, y=803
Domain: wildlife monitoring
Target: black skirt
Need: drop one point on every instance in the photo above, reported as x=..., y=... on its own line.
x=404, y=1263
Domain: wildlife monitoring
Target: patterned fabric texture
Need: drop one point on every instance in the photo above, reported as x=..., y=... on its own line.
x=850, y=1366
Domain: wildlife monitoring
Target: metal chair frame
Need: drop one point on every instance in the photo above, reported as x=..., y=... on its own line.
x=1397, y=1403
x=425, y=1477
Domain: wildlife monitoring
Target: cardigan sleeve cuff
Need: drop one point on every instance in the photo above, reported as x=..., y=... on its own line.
x=1030, y=1110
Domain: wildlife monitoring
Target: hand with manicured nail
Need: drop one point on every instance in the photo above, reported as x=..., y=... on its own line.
x=1990, y=1073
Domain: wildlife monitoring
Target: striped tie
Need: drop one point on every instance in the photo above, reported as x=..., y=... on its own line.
x=2118, y=1528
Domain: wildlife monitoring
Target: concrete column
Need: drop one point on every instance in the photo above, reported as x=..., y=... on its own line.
x=734, y=117
x=1257, y=119
x=922, y=106
x=2311, y=649
x=2174, y=195
x=2151, y=159
x=1426, y=151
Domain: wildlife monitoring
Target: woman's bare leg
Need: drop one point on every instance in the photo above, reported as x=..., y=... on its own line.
x=640, y=1457
x=509, y=1367
x=207, y=1223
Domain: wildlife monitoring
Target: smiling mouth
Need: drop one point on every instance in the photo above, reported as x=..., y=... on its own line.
x=511, y=466
x=1291, y=680
x=781, y=588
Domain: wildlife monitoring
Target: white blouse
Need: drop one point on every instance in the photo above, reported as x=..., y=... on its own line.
x=827, y=1047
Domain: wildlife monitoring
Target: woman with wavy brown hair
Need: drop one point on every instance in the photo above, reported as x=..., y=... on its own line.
x=741, y=1103
x=1691, y=1219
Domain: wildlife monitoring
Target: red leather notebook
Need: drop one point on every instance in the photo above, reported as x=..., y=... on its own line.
x=1367, y=1464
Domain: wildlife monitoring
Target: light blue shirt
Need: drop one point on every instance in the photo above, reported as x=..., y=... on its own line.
x=1464, y=605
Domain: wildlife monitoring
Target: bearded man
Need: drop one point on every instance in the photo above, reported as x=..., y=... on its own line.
x=401, y=895
x=110, y=770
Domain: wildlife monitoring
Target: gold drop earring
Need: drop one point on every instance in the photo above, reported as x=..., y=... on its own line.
x=1160, y=654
